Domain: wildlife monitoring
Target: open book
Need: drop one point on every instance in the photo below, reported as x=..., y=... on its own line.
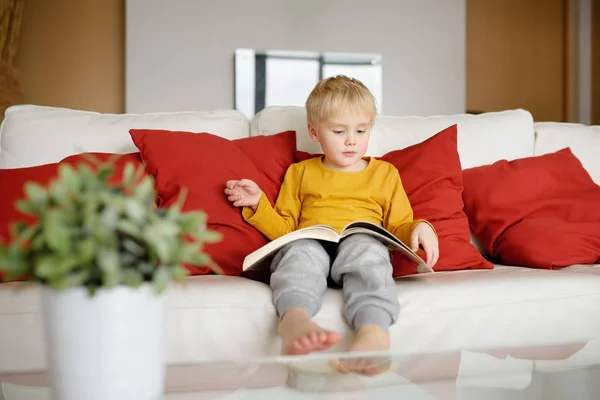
x=261, y=258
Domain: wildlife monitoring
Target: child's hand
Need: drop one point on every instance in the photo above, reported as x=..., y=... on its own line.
x=424, y=235
x=243, y=193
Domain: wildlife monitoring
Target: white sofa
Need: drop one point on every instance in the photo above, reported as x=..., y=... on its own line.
x=219, y=317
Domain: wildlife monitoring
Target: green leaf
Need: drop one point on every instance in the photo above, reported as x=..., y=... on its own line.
x=128, y=174
x=18, y=228
x=198, y=259
x=35, y=193
x=129, y=228
x=132, y=277
x=132, y=247
x=108, y=262
x=23, y=232
x=69, y=177
x=178, y=273
x=140, y=172
x=168, y=229
x=135, y=210
x=109, y=218
x=58, y=193
x=192, y=222
x=86, y=250
x=145, y=268
x=53, y=266
x=104, y=172
x=176, y=207
x=24, y=237
x=160, y=279
x=157, y=244
x=71, y=280
x=209, y=236
x=37, y=243
x=88, y=178
x=55, y=232
x=89, y=214
x=76, y=278
x=12, y=263
x=145, y=189
x=26, y=207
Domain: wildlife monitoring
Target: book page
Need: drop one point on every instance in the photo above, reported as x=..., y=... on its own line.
x=318, y=232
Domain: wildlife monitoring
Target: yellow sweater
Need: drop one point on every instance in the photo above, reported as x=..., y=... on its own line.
x=312, y=194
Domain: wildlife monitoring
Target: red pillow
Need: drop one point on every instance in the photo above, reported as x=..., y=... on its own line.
x=12, y=182
x=539, y=212
x=202, y=163
x=432, y=178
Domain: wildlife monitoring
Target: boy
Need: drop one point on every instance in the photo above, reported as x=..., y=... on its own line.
x=340, y=187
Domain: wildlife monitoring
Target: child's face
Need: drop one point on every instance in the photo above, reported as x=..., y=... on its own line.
x=344, y=138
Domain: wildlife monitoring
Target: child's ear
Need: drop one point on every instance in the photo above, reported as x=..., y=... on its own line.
x=313, y=133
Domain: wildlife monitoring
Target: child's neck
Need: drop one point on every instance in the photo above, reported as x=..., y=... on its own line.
x=356, y=167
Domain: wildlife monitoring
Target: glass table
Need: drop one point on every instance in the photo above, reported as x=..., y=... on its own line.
x=552, y=372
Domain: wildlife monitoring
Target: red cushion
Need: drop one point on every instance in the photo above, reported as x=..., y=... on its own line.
x=537, y=212
x=202, y=163
x=432, y=178
x=12, y=182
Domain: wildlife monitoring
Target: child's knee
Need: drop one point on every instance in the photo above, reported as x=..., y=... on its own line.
x=362, y=245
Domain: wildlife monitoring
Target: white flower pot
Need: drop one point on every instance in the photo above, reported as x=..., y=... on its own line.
x=109, y=346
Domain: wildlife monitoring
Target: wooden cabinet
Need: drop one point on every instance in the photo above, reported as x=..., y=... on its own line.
x=518, y=55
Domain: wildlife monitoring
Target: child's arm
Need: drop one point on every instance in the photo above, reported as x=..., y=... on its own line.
x=257, y=211
x=398, y=219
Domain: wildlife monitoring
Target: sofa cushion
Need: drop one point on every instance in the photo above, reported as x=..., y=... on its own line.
x=482, y=139
x=12, y=183
x=202, y=163
x=232, y=318
x=583, y=140
x=538, y=211
x=65, y=132
x=432, y=177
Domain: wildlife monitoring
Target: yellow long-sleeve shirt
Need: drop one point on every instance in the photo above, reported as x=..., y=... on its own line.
x=312, y=194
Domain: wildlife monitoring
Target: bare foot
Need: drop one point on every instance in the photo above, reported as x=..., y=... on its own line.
x=300, y=335
x=368, y=338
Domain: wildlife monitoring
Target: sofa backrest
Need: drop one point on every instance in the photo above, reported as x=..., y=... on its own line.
x=583, y=140
x=35, y=135
x=482, y=139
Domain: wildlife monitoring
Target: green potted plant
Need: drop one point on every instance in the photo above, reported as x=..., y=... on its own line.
x=104, y=255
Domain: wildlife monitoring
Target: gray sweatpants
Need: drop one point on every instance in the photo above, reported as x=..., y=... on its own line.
x=360, y=264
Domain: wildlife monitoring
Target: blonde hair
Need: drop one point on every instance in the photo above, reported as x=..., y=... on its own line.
x=333, y=94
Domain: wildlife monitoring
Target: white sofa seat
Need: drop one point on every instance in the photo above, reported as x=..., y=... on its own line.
x=222, y=317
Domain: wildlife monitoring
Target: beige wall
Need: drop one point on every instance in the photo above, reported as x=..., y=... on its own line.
x=182, y=57
x=71, y=54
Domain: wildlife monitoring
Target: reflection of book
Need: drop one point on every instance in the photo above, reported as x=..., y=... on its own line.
x=261, y=258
